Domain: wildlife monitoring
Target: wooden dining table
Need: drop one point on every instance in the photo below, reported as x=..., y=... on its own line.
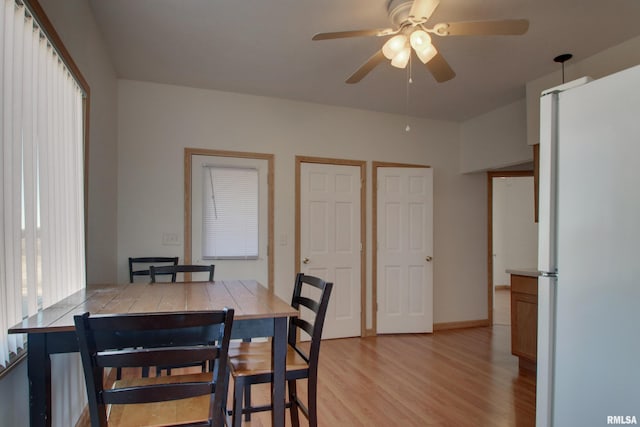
x=258, y=313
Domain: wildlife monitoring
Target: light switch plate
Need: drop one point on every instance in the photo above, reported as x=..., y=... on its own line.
x=171, y=239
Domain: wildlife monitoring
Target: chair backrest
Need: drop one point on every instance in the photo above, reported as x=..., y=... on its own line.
x=149, y=340
x=316, y=301
x=148, y=261
x=173, y=269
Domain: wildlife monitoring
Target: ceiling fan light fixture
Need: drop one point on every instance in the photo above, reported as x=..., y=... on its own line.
x=394, y=45
x=425, y=55
x=402, y=58
x=420, y=40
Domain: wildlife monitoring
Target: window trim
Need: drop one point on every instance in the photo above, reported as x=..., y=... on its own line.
x=188, y=166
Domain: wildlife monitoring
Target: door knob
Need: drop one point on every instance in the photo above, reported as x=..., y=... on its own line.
x=429, y=259
x=305, y=260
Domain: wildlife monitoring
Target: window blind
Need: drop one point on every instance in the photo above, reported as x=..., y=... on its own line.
x=42, y=155
x=230, y=217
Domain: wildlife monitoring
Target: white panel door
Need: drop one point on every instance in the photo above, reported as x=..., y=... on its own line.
x=330, y=241
x=404, y=251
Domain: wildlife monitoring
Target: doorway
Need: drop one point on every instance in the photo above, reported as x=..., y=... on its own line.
x=512, y=236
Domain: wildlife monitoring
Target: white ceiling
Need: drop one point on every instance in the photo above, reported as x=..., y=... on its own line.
x=264, y=47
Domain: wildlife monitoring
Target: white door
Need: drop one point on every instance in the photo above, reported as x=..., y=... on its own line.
x=330, y=241
x=404, y=251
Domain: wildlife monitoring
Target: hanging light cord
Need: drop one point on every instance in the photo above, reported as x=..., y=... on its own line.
x=409, y=81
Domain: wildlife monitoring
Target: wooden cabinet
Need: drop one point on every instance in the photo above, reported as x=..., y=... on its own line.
x=524, y=319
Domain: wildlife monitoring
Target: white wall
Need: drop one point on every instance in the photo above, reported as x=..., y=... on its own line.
x=521, y=228
x=14, y=397
x=156, y=122
x=74, y=22
x=515, y=232
x=495, y=140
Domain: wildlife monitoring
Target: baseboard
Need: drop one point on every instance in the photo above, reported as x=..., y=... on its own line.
x=460, y=325
x=502, y=287
x=444, y=326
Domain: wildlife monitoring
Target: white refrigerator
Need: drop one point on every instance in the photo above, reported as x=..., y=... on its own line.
x=589, y=253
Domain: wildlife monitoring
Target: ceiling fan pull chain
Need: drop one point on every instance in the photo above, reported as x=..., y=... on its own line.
x=409, y=81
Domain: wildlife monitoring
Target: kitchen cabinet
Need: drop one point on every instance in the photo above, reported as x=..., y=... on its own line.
x=524, y=317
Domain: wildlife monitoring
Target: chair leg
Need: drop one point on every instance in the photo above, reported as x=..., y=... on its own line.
x=236, y=417
x=293, y=399
x=247, y=392
x=312, y=400
x=247, y=401
x=118, y=373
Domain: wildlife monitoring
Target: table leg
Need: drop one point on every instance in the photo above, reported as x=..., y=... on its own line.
x=279, y=349
x=39, y=373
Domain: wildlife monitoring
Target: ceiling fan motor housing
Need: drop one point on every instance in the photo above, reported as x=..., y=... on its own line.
x=399, y=10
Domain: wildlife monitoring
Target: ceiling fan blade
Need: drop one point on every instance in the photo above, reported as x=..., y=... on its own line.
x=440, y=69
x=422, y=9
x=371, y=63
x=356, y=33
x=483, y=28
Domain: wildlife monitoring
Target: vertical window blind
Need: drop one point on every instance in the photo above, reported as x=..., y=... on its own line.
x=230, y=217
x=42, y=255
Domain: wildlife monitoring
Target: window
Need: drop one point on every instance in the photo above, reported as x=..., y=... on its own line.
x=42, y=181
x=196, y=160
x=230, y=216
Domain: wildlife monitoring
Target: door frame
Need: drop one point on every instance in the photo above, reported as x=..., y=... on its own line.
x=490, y=176
x=363, y=226
x=374, y=226
x=188, y=160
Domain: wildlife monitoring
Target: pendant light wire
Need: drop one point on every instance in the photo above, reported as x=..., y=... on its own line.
x=409, y=81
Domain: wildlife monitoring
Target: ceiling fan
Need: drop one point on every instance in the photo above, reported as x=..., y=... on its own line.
x=410, y=33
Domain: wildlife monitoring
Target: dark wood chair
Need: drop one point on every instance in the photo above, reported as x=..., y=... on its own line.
x=174, y=269
x=147, y=340
x=143, y=270
x=250, y=362
x=149, y=261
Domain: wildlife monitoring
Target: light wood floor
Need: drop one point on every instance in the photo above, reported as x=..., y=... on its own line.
x=465, y=377
x=452, y=378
